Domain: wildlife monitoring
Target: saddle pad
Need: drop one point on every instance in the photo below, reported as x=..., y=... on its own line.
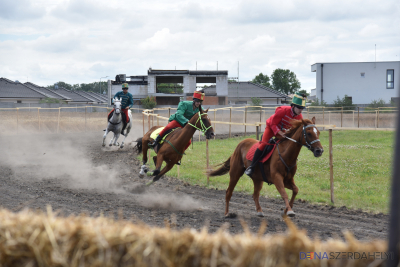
x=251, y=151
x=157, y=131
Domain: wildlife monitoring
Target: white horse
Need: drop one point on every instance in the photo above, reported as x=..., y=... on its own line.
x=115, y=125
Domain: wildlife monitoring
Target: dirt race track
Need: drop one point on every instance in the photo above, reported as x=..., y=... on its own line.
x=74, y=174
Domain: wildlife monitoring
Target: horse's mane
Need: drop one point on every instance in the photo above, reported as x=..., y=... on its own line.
x=295, y=125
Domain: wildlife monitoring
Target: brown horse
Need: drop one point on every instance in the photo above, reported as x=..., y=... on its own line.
x=280, y=168
x=171, y=151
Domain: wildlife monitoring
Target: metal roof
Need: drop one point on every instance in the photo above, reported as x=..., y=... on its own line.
x=75, y=97
x=46, y=91
x=10, y=89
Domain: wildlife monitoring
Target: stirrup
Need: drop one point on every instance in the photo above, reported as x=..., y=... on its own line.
x=178, y=163
x=122, y=133
x=249, y=171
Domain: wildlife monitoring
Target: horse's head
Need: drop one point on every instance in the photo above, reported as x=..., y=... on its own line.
x=310, y=137
x=117, y=105
x=202, y=122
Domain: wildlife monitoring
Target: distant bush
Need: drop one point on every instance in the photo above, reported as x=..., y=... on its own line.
x=317, y=103
x=346, y=102
x=377, y=103
x=51, y=101
x=149, y=102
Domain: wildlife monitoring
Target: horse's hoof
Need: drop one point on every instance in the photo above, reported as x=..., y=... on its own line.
x=110, y=145
x=291, y=213
x=260, y=214
x=103, y=145
x=121, y=146
x=230, y=215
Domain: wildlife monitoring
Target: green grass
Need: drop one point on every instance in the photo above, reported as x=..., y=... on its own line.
x=362, y=170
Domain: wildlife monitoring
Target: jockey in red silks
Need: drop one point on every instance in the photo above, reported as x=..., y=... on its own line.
x=185, y=111
x=126, y=103
x=276, y=125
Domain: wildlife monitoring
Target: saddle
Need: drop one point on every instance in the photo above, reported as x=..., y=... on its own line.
x=154, y=136
x=268, y=150
x=124, y=123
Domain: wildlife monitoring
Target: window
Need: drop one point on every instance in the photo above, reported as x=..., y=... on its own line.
x=362, y=74
x=389, y=79
x=19, y=101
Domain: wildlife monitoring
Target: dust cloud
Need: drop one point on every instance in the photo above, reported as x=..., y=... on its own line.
x=55, y=157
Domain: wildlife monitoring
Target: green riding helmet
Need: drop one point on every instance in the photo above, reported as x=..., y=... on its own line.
x=299, y=101
x=124, y=85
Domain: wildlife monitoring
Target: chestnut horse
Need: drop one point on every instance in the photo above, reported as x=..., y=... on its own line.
x=173, y=148
x=280, y=168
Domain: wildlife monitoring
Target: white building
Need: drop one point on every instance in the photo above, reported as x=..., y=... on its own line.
x=363, y=82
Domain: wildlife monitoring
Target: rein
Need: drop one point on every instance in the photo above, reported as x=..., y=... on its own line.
x=308, y=145
x=203, y=127
x=117, y=122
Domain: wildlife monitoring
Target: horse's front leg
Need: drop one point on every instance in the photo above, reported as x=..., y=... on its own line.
x=128, y=129
x=167, y=167
x=281, y=189
x=295, y=190
x=104, y=137
x=116, y=138
x=112, y=139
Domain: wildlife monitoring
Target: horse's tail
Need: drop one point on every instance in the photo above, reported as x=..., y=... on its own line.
x=139, y=145
x=225, y=167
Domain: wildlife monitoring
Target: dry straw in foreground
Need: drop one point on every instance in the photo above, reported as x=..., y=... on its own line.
x=30, y=238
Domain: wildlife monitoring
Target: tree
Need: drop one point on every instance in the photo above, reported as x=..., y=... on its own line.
x=304, y=92
x=285, y=81
x=256, y=101
x=262, y=80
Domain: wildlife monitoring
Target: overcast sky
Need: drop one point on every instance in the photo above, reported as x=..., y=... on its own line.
x=79, y=41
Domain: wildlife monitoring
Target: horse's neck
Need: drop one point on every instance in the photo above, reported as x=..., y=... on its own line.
x=187, y=133
x=291, y=150
x=115, y=118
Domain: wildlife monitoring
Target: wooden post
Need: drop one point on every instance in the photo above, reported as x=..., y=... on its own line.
x=143, y=123
x=260, y=113
x=341, y=118
x=245, y=120
x=230, y=120
x=215, y=118
x=377, y=123
x=178, y=172
x=331, y=165
x=358, y=117
x=257, y=134
x=58, y=123
x=376, y=119
x=208, y=161
x=17, y=119
x=152, y=119
x=329, y=117
x=38, y=114
x=308, y=113
x=353, y=118
x=323, y=115
x=158, y=122
x=199, y=136
x=169, y=113
x=86, y=119
x=148, y=120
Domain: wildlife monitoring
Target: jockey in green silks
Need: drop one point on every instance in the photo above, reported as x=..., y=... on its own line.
x=186, y=110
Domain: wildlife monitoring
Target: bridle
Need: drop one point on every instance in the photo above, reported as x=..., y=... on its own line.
x=308, y=144
x=115, y=109
x=203, y=128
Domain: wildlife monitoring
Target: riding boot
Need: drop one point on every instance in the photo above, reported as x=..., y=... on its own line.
x=156, y=141
x=256, y=157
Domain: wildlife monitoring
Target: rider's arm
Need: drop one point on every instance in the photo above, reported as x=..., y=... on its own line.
x=278, y=116
x=130, y=101
x=180, y=113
